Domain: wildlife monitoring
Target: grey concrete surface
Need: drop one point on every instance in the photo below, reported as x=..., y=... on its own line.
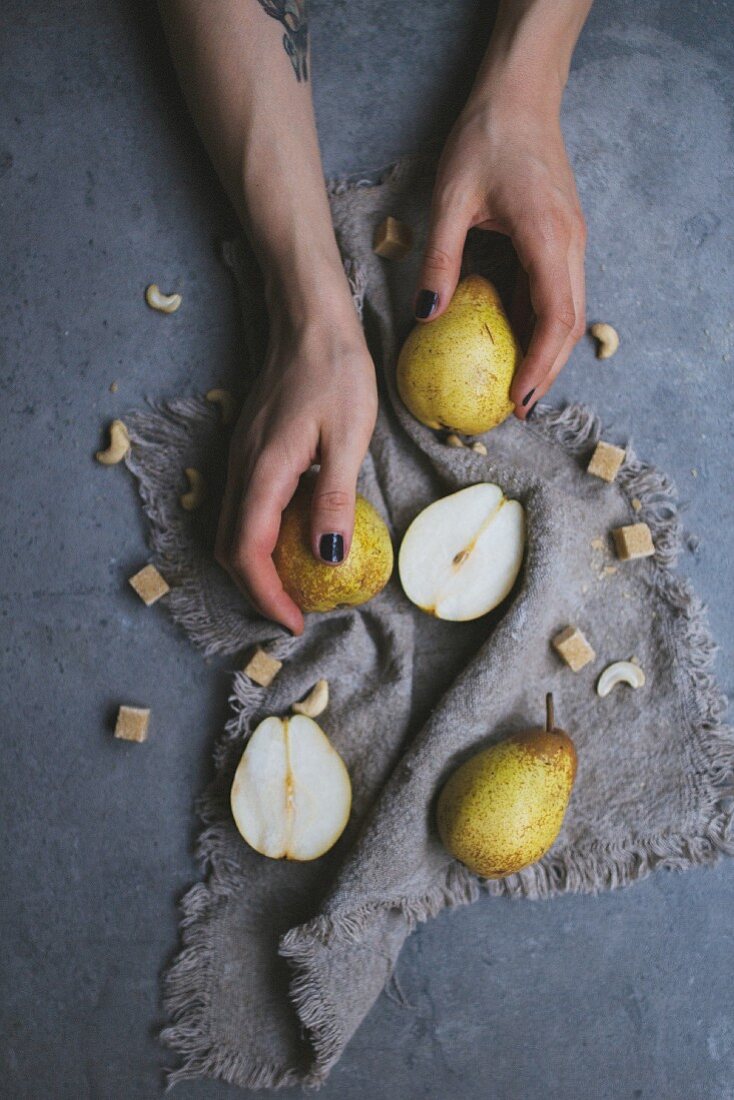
x=104, y=187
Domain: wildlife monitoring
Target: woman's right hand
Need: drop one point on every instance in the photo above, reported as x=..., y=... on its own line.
x=315, y=401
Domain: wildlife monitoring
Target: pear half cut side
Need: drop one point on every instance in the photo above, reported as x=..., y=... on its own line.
x=461, y=555
x=291, y=795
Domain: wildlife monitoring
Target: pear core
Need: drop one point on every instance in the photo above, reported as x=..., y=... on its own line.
x=315, y=586
x=503, y=809
x=291, y=793
x=456, y=372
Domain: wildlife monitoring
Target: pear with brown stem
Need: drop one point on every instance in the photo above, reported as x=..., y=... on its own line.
x=503, y=809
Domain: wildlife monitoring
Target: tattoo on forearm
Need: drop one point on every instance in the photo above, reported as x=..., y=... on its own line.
x=292, y=14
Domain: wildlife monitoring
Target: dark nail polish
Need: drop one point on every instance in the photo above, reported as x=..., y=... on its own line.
x=527, y=396
x=531, y=411
x=425, y=304
x=331, y=548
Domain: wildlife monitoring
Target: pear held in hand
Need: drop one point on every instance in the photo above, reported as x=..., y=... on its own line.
x=503, y=809
x=456, y=372
x=315, y=586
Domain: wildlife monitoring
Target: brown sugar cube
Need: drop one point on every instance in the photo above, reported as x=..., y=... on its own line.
x=262, y=668
x=149, y=585
x=605, y=461
x=392, y=239
x=572, y=646
x=132, y=723
x=633, y=541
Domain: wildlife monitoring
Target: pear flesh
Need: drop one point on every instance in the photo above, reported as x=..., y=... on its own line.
x=456, y=372
x=461, y=555
x=291, y=793
x=315, y=586
x=503, y=809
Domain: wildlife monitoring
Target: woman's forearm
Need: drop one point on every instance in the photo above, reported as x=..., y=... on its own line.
x=244, y=72
x=243, y=65
x=529, y=55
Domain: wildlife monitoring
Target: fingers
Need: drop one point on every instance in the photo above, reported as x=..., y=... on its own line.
x=441, y=259
x=248, y=558
x=551, y=252
x=332, y=507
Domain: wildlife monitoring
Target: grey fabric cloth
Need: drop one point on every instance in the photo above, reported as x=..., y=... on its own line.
x=281, y=961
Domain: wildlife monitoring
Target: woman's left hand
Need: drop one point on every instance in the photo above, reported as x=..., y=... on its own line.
x=512, y=175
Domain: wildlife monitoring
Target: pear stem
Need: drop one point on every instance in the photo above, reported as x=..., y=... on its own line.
x=549, y=723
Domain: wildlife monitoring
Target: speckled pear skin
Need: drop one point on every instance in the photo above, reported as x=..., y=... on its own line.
x=318, y=587
x=503, y=809
x=456, y=372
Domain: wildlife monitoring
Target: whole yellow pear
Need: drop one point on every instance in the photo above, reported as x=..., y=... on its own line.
x=503, y=809
x=315, y=586
x=455, y=372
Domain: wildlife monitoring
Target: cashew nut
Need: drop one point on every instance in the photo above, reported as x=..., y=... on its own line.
x=164, y=303
x=453, y=440
x=227, y=403
x=315, y=702
x=607, y=339
x=197, y=490
x=119, y=445
x=621, y=672
x=479, y=447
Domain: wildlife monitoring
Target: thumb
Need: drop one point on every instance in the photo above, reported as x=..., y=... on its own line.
x=332, y=505
x=441, y=265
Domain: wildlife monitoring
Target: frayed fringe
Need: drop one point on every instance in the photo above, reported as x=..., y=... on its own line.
x=245, y=699
x=314, y=1011
x=712, y=743
x=459, y=887
x=186, y=992
x=577, y=429
x=392, y=176
x=187, y=984
x=217, y=621
x=301, y=945
x=181, y=426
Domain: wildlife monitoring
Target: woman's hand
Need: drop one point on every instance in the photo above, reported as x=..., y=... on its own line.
x=510, y=173
x=245, y=74
x=315, y=401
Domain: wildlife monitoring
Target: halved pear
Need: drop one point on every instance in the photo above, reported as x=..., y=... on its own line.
x=461, y=555
x=291, y=793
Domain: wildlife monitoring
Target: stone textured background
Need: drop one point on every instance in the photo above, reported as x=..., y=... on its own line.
x=104, y=188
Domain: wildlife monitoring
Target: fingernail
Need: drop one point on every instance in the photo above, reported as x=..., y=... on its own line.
x=425, y=304
x=527, y=396
x=331, y=548
x=531, y=411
